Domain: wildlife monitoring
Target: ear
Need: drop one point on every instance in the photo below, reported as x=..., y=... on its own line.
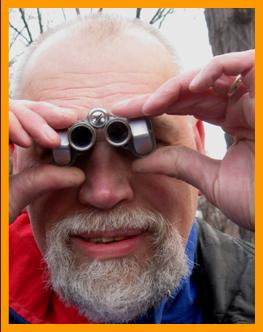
x=199, y=136
x=13, y=152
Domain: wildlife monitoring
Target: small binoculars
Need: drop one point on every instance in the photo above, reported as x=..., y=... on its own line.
x=134, y=135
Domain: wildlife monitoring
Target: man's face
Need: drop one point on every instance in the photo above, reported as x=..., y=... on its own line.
x=111, y=220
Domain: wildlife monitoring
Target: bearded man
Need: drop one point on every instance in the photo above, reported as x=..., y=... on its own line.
x=112, y=238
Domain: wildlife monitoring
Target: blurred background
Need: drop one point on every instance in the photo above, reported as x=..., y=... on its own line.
x=196, y=34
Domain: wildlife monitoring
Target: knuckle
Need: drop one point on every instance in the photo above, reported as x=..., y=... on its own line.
x=171, y=156
x=31, y=177
x=217, y=61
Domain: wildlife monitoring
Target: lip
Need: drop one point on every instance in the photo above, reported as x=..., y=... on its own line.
x=102, y=251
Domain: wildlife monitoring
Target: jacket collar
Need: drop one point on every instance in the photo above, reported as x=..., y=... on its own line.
x=29, y=297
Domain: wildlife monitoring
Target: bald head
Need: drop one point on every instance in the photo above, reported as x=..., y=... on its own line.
x=101, y=47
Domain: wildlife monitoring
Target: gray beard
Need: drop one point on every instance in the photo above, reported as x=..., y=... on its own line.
x=122, y=289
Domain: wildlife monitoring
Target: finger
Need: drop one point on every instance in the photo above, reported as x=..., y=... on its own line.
x=36, y=127
x=156, y=103
x=33, y=182
x=57, y=117
x=223, y=83
x=169, y=93
x=130, y=108
x=208, y=106
x=17, y=134
x=228, y=64
x=241, y=117
x=184, y=164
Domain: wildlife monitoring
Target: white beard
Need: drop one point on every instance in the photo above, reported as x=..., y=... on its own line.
x=122, y=289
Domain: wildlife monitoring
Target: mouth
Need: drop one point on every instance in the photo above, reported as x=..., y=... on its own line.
x=111, y=244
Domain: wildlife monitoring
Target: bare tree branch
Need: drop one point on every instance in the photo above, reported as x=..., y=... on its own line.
x=138, y=12
x=170, y=11
x=22, y=13
x=13, y=41
x=14, y=60
x=11, y=62
x=64, y=15
x=157, y=15
x=19, y=33
x=160, y=15
x=40, y=20
x=77, y=11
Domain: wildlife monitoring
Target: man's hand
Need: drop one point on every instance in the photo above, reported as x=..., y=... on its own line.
x=35, y=122
x=228, y=183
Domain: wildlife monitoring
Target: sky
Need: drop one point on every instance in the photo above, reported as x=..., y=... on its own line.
x=186, y=31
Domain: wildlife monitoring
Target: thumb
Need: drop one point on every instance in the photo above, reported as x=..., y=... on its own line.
x=184, y=164
x=32, y=182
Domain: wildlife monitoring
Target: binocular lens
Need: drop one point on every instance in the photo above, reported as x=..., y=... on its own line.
x=82, y=137
x=118, y=133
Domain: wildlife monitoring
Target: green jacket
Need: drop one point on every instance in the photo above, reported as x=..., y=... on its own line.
x=225, y=270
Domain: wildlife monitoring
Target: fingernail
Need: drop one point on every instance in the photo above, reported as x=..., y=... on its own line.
x=66, y=111
x=49, y=133
x=27, y=139
x=120, y=105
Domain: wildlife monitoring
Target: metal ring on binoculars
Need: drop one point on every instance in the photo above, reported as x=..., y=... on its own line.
x=98, y=117
x=82, y=136
x=117, y=132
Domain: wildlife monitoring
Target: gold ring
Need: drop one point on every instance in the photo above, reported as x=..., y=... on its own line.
x=234, y=86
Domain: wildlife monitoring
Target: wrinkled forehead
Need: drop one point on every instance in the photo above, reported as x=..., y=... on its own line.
x=81, y=73
x=76, y=60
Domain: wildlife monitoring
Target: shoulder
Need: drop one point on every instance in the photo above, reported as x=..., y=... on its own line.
x=210, y=238
x=225, y=266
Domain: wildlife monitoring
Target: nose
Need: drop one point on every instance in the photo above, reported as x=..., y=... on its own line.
x=108, y=177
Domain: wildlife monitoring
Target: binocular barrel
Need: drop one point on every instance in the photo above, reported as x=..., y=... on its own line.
x=117, y=132
x=134, y=135
x=82, y=136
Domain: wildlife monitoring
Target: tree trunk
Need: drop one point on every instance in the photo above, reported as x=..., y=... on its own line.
x=231, y=30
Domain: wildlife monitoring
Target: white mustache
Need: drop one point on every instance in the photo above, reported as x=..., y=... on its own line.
x=117, y=219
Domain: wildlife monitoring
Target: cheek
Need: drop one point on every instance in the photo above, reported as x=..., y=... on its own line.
x=175, y=199
x=49, y=209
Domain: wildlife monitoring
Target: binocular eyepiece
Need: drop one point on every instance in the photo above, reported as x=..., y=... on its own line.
x=117, y=132
x=82, y=136
x=134, y=135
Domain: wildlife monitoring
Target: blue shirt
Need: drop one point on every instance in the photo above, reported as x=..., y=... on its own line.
x=183, y=306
